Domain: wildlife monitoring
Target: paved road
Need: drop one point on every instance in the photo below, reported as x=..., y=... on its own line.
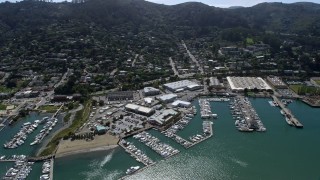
x=135, y=59
x=43, y=100
x=193, y=58
x=176, y=73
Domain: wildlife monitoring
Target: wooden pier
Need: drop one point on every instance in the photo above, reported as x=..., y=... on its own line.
x=294, y=120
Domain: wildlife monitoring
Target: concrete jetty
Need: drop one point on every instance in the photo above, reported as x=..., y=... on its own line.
x=41, y=158
x=293, y=119
x=51, y=168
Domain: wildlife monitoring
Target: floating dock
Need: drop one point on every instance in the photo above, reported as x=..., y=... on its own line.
x=294, y=120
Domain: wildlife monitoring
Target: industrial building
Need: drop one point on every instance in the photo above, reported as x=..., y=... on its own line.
x=120, y=95
x=182, y=85
x=139, y=109
x=150, y=91
x=276, y=82
x=167, y=98
x=215, y=83
x=250, y=83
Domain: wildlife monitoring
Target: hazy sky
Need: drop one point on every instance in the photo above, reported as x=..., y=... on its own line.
x=217, y=3
x=227, y=3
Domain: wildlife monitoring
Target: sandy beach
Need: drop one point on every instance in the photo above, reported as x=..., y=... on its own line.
x=100, y=143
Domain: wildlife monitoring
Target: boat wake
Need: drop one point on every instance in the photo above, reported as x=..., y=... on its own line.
x=97, y=172
x=241, y=163
x=106, y=159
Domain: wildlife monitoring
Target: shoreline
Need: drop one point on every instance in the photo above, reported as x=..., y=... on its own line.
x=87, y=150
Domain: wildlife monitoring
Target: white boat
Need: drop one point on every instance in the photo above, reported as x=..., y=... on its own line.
x=132, y=169
x=289, y=121
x=282, y=112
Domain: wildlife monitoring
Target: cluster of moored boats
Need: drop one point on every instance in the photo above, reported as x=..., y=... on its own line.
x=246, y=118
x=46, y=167
x=154, y=143
x=132, y=169
x=20, y=170
x=206, y=133
x=136, y=153
x=287, y=117
x=177, y=138
x=179, y=125
x=205, y=109
x=50, y=123
x=207, y=127
x=19, y=139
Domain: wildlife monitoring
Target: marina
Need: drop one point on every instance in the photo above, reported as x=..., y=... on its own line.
x=229, y=154
x=245, y=116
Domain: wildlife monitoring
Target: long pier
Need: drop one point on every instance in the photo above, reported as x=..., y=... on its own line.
x=206, y=137
x=51, y=168
x=134, y=155
x=293, y=119
x=55, y=114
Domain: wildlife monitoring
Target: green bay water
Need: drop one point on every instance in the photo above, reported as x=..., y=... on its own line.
x=283, y=152
x=9, y=131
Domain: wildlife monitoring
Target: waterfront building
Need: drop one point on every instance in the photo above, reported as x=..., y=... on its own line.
x=179, y=103
x=167, y=98
x=250, y=83
x=276, y=82
x=162, y=116
x=139, y=109
x=101, y=129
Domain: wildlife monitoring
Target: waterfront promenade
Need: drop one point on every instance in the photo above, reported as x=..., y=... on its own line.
x=291, y=117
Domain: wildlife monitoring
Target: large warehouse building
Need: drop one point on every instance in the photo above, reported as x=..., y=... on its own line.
x=139, y=109
x=182, y=85
x=250, y=83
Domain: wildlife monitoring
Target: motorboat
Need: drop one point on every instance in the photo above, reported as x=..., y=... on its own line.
x=132, y=169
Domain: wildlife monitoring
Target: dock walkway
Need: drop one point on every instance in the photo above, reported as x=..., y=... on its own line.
x=293, y=119
x=205, y=138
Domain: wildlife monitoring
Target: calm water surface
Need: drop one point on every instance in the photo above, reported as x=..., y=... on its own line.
x=283, y=152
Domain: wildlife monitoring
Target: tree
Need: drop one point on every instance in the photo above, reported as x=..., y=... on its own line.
x=101, y=103
x=94, y=102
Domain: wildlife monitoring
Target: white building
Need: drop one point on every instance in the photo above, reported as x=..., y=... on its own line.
x=148, y=100
x=179, y=103
x=168, y=98
x=150, y=91
x=139, y=109
x=182, y=85
x=250, y=83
